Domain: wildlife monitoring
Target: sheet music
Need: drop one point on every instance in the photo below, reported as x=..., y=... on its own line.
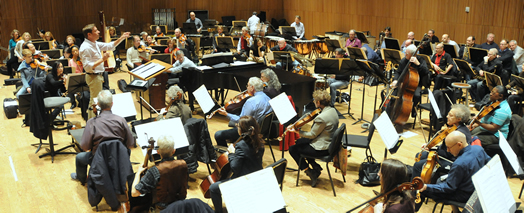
x=283, y=108
x=147, y=70
x=434, y=104
x=121, y=105
x=262, y=189
x=493, y=188
x=241, y=63
x=172, y=127
x=510, y=154
x=204, y=99
x=386, y=130
x=204, y=67
x=138, y=83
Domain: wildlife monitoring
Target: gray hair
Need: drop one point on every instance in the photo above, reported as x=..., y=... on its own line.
x=493, y=51
x=166, y=145
x=245, y=28
x=105, y=99
x=491, y=34
x=143, y=33
x=462, y=112
x=179, y=52
x=178, y=29
x=173, y=91
x=340, y=51
x=257, y=83
x=282, y=39
x=513, y=41
x=273, y=78
x=411, y=48
x=352, y=31
x=411, y=33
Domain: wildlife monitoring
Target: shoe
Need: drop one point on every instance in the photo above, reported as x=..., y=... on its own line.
x=317, y=168
x=313, y=174
x=74, y=177
x=73, y=105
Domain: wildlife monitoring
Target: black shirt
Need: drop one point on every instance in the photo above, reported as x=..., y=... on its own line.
x=489, y=46
x=52, y=85
x=286, y=48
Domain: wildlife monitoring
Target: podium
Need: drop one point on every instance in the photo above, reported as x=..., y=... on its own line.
x=156, y=94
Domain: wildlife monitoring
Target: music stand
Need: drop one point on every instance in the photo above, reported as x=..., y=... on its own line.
x=464, y=67
x=228, y=20
x=476, y=55
x=451, y=50
x=279, y=56
x=416, y=42
x=162, y=37
x=68, y=70
x=492, y=80
x=164, y=57
x=326, y=65
x=392, y=43
x=225, y=42
x=159, y=48
x=428, y=62
x=76, y=83
x=63, y=61
x=391, y=55
x=288, y=30
x=56, y=54
x=41, y=45
x=361, y=37
x=332, y=45
x=356, y=53
x=209, y=23
x=189, y=28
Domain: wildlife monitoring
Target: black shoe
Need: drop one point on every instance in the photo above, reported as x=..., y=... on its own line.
x=74, y=177
x=317, y=168
x=73, y=105
x=313, y=174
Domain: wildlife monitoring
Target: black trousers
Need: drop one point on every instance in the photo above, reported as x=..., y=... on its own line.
x=302, y=146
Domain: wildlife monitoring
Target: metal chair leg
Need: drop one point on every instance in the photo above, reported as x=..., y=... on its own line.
x=331, y=180
x=271, y=149
x=520, y=194
x=298, y=173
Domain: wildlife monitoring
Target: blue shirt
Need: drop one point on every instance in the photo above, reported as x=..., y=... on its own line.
x=256, y=106
x=25, y=81
x=501, y=116
x=12, y=44
x=372, y=55
x=470, y=159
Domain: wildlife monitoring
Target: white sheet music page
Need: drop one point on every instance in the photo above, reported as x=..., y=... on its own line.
x=434, y=104
x=283, y=108
x=386, y=130
x=493, y=188
x=255, y=192
x=510, y=154
x=172, y=127
x=204, y=99
x=122, y=103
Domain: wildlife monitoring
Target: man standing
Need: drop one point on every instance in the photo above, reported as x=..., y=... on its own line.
x=252, y=22
x=518, y=54
x=489, y=42
x=299, y=29
x=93, y=59
x=193, y=19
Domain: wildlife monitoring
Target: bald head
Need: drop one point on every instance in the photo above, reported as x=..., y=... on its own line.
x=455, y=142
x=411, y=35
x=445, y=38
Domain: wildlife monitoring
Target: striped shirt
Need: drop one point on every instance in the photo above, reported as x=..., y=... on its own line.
x=501, y=116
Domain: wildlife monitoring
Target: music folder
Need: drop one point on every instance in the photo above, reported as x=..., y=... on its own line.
x=225, y=42
x=492, y=80
x=356, y=53
x=476, y=55
x=451, y=50
x=392, y=43
x=387, y=132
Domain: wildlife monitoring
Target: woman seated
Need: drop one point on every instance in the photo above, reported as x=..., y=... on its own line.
x=75, y=60
x=393, y=173
x=176, y=107
x=112, y=32
x=158, y=31
x=171, y=48
x=49, y=37
x=271, y=84
x=55, y=83
x=258, y=51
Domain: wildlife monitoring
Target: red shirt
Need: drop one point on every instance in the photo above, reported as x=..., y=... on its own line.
x=438, y=57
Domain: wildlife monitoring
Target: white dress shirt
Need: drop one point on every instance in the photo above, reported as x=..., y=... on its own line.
x=132, y=57
x=177, y=66
x=90, y=52
x=299, y=28
x=518, y=56
x=252, y=23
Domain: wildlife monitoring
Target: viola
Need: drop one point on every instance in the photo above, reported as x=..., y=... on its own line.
x=429, y=166
x=234, y=105
x=484, y=111
x=306, y=119
x=35, y=64
x=439, y=137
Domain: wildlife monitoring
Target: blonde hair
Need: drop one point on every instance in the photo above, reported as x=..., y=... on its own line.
x=48, y=33
x=27, y=52
x=322, y=96
x=26, y=33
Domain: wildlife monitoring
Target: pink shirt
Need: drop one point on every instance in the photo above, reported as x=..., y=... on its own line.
x=79, y=69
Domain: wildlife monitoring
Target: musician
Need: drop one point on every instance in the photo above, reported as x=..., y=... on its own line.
x=487, y=128
x=70, y=41
x=258, y=51
x=491, y=64
x=490, y=43
x=41, y=33
x=15, y=37
x=13, y=61
x=36, y=53
x=457, y=116
x=75, y=60
x=106, y=126
x=181, y=62
x=150, y=41
x=518, y=54
x=27, y=73
x=370, y=54
x=432, y=37
x=55, y=83
x=181, y=38
x=193, y=19
x=252, y=22
x=517, y=95
x=393, y=173
x=506, y=56
x=407, y=43
x=220, y=33
x=167, y=180
x=26, y=38
x=470, y=42
x=353, y=41
x=416, y=62
x=67, y=52
x=93, y=60
x=143, y=38
x=411, y=37
x=49, y=37
x=244, y=44
x=442, y=64
x=158, y=31
x=133, y=55
x=385, y=34
x=272, y=84
x=177, y=109
x=256, y=106
x=316, y=142
x=171, y=47
x=299, y=28
x=447, y=40
x=458, y=185
x=337, y=81
x=112, y=32
x=282, y=46
x=245, y=156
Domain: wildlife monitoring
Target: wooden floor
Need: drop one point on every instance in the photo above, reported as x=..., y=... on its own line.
x=33, y=184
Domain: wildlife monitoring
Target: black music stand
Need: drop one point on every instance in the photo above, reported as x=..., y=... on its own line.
x=356, y=53
x=76, y=83
x=350, y=67
x=450, y=49
x=392, y=43
x=361, y=37
x=41, y=45
x=476, y=55
x=158, y=48
x=288, y=30
x=137, y=85
x=372, y=70
x=209, y=23
x=189, y=28
x=492, y=80
x=213, y=59
x=162, y=37
x=391, y=55
x=164, y=57
x=332, y=45
x=225, y=42
x=63, y=61
x=464, y=67
x=283, y=56
x=56, y=54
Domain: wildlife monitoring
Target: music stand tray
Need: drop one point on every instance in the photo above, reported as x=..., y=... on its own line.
x=225, y=42
x=391, y=55
x=492, y=80
x=150, y=69
x=450, y=49
x=464, y=67
x=288, y=30
x=392, y=43
x=356, y=53
x=476, y=55
x=189, y=28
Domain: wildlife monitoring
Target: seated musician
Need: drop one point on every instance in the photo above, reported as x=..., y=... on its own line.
x=490, y=42
x=177, y=109
x=55, y=83
x=36, y=53
x=282, y=46
x=353, y=41
x=447, y=40
x=385, y=34
x=245, y=155
x=458, y=185
x=271, y=82
x=171, y=48
x=316, y=142
x=143, y=38
x=470, y=42
x=75, y=60
x=112, y=32
x=411, y=37
x=158, y=31
x=68, y=51
x=518, y=54
x=105, y=126
x=256, y=106
x=41, y=34
x=491, y=64
x=393, y=173
x=220, y=33
x=431, y=37
x=181, y=62
x=167, y=180
x=407, y=43
x=457, y=116
x=442, y=63
x=506, y=56
x=299, y=28
x=371, y=55
x=133, y=55
x=27, y=73
x=150, y=41
x=487, y=128
x=244, y=45
x=181, y=38
x=517, y=93
x=70, y=41
x=49, y=37
x=337, y=81
x=258, y=51
x=193, y=19
x=418, y=63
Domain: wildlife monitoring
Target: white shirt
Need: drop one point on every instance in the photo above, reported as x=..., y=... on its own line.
x=252, y=23
x=457, y=47
x=299, y=28
x=177, y=66
x=519, y=56
x=90, y=52
x=132, y=57
x=18, y=49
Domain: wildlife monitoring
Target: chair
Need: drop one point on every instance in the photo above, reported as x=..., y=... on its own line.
x=268, y=131
x=334, y=147
x=447, y=202
x=279, y=168
x=361, y=141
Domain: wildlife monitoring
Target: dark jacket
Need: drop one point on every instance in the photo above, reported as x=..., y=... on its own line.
x=200, y=145
x=52, y=85
x=506, y=57
x=245, y=160
x=108, y=174
x=286, y=48
x=445, y=61
x=40, y=123
x=516, y=138
x=193, y=205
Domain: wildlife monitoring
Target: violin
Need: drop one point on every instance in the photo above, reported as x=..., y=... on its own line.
x=306, y=119
x=36, y=64
x=484, y=111
x=439, y=137
x=173, y=100
x=235, y=104
x=40, y=56
x=142, y=48
x=79, y=63
x=415, y=184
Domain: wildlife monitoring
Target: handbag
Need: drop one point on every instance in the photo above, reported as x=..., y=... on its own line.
x=368, y=172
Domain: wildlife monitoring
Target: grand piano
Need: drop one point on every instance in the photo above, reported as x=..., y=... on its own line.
x=300, y=87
